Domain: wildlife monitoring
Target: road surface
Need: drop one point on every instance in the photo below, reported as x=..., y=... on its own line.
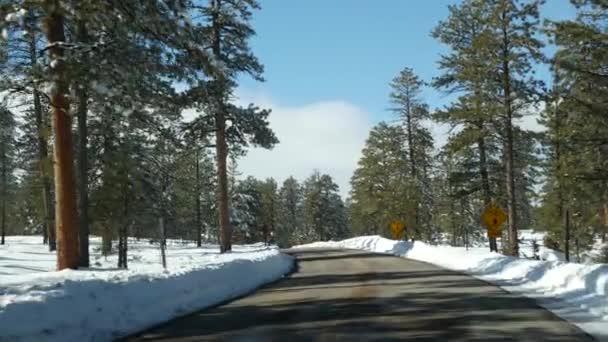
x=338, y=295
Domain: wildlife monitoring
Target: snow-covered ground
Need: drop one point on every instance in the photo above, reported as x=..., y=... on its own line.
x=526, y=249
x=102, y=303
x=595, y=252
x=575, y=292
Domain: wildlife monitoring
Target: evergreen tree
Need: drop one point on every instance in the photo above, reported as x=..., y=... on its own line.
x=289, y=225
x=229, y=31
x=382, y=190
x=246, y=214
x=269, y=208
x=465, y=71
x=115, y=67
x=513, y=26
x=574, y=205
x=407, y=103
x=324, y=211
x=195, y=192
x=22, y=70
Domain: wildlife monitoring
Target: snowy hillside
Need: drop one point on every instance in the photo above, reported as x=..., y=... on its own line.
x=576, y=292
x=103, y=302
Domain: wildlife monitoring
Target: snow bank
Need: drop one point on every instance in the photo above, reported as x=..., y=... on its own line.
x=101, y=304
x=576, y=292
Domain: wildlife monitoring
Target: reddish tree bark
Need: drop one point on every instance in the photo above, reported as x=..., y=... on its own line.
x=221, y=146
x=65, y=192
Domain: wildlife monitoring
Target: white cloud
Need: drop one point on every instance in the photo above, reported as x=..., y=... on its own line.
x=327, y=136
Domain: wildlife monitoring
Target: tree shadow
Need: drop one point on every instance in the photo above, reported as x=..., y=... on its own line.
x=420, y=302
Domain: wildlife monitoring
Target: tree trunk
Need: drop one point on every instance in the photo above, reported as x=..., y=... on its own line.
x=221, y=145
x=567, y=236
x=106, y=240
x=604, y=221
x=224, y=210
x=509, y=153
x=65, y=194
x=45, y=234
x=43, y=155
x=199, y=231
x=485, y=181
x=453, y=223
x=123, y=235
x=163, y=241
x=410, y=142
x=558, y=168
x=4, y=193
x=83, y=197
x=465, y=230
x=3, y=221
x=577, y=245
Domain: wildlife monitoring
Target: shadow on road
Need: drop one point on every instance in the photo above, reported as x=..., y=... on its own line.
x=403, y=303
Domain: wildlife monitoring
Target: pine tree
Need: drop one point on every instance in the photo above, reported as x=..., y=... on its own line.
x=230, y=29
x=324, y=211
x=382, y=190
x=269, y=209
x=466, y=68
x=195, y=193
x=407, y=103
x=513, y=25
x=246, y=213
x=23, y=71
x=574, y=196
x=65, y=194
x=289, y=225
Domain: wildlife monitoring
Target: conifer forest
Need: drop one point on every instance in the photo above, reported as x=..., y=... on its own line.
x=94, y=140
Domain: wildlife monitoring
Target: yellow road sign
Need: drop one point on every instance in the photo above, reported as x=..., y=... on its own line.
x=493, y=218
x=397, y=228
x=494, y=232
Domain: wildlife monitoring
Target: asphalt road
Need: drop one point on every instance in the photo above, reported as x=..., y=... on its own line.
x=338, y=295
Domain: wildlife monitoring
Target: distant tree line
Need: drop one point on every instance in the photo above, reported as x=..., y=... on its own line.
x=291, y=214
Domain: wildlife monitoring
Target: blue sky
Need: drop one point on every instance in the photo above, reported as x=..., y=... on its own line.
x=343, y=52
x=350, y=49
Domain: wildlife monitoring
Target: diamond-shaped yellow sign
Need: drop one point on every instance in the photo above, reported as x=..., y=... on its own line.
x=397, y=228
x=494, y=232
x=493, y=218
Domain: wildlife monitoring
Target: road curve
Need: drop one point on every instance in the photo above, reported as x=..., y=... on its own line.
x=338, y=295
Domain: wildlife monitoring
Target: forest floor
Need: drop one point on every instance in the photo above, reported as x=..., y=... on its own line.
x=103, y=302
x=575, y=292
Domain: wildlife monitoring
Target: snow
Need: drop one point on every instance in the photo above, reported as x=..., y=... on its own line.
x=575, y=292
x=102, y=303
x=16, y=16
x=526, y=238
x=595, y=252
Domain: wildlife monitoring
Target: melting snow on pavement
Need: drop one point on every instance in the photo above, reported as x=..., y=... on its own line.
x=575, y=292
x=102, y=303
